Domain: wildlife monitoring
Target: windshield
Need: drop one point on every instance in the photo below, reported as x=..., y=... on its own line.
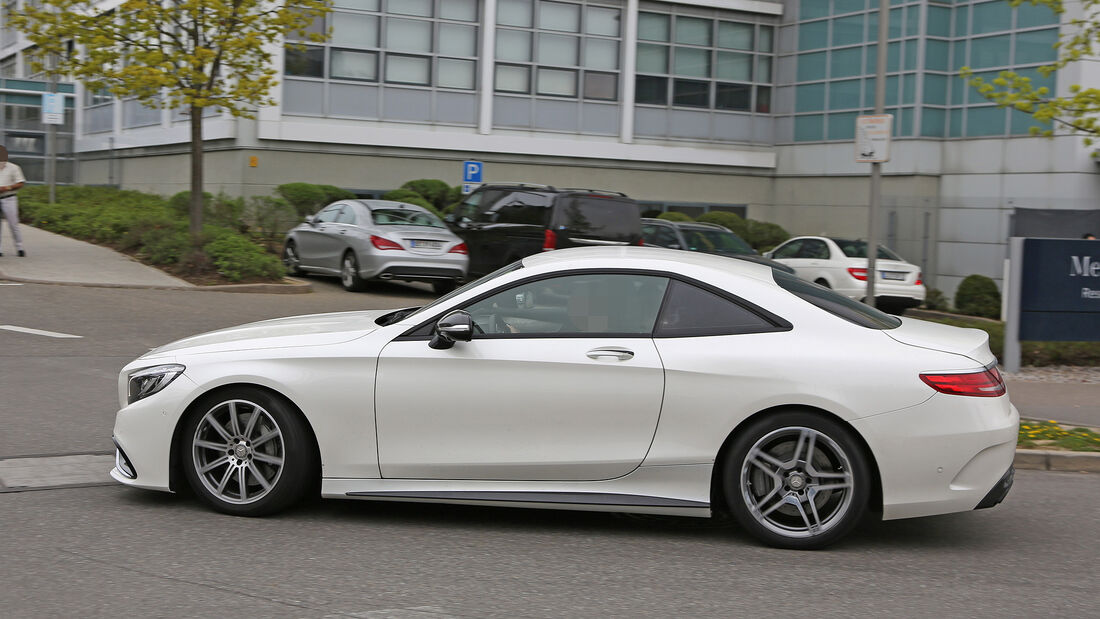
x=835, y=304
x=858, y=249
x=404, y=217
x=715, y=241
x=518, y=264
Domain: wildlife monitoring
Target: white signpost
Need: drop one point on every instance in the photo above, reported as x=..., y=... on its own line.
x=873, y=138
x=53, y=108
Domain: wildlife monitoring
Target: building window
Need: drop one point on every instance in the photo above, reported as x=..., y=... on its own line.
x=430, y=43
x=571, y=49
x=695, y=62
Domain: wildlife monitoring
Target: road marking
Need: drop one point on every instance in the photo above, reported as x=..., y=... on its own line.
x=38, y=332
x=52, y=471
x=9, y=284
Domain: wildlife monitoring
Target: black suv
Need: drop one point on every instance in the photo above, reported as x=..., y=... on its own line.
x=705, y=238
x=502, y=223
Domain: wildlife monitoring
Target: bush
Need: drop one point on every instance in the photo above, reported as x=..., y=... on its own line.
x=305, y=198
x=936, y=300
x=180, y=203
x=237, y=258
x=977, y=295
x=432, y=190
x=763, y=235
x=334, y=193
x=674, y=216
x=270, y=219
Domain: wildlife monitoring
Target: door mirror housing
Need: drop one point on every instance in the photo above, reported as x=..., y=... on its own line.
x=456, y=326
x=311, y=220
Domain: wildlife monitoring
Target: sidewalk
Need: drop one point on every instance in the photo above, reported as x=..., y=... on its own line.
x=56, y=259
x=52, y=258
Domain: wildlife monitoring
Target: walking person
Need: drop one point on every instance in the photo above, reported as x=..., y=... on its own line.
x=11, y=180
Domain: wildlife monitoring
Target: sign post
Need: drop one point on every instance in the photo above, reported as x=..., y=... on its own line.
x=870, y=146
x=471, y=175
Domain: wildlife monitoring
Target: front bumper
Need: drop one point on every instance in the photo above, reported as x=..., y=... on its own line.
x=943, y=455
x=143, y=436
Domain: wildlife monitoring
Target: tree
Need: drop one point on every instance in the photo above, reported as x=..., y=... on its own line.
x=190, y=54
x=1076, y=113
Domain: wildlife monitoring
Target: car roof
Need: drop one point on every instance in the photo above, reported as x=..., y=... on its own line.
x=646, y=258
x=702, y=225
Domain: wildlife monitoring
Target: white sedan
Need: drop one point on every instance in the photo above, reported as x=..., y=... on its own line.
x=619, y=379
x=841, y=264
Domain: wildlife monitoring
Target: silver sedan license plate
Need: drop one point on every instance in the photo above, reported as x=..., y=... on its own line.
x=427, y=244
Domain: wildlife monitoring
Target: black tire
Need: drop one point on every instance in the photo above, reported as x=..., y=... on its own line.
x=444, y=286
x=349, y=273
x=291, y=260
x=262, y=464
x=757, y=494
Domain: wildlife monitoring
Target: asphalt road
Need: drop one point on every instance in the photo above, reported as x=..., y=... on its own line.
x=111, y=551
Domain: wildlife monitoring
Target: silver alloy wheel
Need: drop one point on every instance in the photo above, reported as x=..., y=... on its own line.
x=797, y=482
x=290, y=259
x=348, y=271
x=238, y=452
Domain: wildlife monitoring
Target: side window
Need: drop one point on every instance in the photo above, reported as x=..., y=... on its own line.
x=692, y=312
x=573, y=305
x=790, y=250
x=347, y=216
x=814, y=249
x=659, y=235
x=330, y=213
x=522, y=208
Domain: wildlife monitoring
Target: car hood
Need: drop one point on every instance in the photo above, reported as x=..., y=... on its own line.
x=972, y=343
x=310, y=330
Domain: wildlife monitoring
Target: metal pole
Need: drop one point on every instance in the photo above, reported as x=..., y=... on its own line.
x=1010, y=358
x=51, y=134
x=876, y=168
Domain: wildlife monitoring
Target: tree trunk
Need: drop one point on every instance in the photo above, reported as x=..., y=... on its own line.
x=196, y=176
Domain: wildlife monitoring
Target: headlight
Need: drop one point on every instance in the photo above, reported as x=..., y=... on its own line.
x=144, y=383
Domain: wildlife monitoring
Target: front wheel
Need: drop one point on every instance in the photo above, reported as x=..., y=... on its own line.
x=797, y=480
x=291, y=260
x=246, y=452
x=349, y=274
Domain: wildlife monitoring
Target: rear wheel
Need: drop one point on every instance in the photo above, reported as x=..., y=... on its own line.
x=349, y=274
x=797, y=480
x=247, y=452
x=822, y=282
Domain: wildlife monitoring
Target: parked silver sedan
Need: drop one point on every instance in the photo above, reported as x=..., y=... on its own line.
x=362, y=240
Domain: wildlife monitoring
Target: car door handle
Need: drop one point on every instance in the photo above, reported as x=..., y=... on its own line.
x=622, y=354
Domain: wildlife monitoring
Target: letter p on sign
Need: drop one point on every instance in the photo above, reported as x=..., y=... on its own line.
x=471, y=171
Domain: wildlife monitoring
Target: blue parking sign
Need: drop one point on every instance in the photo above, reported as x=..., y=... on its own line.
x=471, y=171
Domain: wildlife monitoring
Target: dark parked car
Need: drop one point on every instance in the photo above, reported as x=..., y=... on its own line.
x=702, y=237
x=502, y=223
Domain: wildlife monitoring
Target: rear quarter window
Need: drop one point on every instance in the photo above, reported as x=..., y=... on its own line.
x=836, y=304
x=599, y=216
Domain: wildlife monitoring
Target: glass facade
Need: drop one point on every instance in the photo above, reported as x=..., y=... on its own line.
x=834, y=52
x=24, y=135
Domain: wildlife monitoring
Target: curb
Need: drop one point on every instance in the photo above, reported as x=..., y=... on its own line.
x=290, y=286
x=1066, y=461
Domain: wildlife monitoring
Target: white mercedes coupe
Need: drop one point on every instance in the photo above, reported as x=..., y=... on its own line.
x=620, y=379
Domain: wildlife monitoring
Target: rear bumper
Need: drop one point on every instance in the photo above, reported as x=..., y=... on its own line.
x=942, y=456
x=407, y=266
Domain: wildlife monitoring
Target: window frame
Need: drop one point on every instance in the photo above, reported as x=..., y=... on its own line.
x=423, y=331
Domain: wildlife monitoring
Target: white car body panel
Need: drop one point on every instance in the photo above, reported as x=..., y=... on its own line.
x=492, y=412
x=651, y=427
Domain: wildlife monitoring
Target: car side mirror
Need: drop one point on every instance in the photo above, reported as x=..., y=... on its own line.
x=768, y=254
x=457, y=326
x=311, y=220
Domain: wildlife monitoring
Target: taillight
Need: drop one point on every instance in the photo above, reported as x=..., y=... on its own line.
x=859, y=273
x=459, y=249
x=920, y=278
x=640, y=242
x=382, y=243
x=549, y=240
x=985, y=384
